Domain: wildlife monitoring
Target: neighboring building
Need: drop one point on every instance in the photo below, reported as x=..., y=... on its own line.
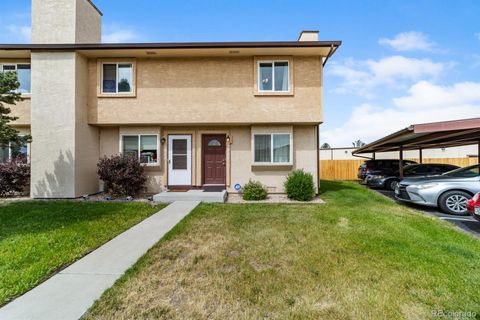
x=197, y=114
x=437, y=153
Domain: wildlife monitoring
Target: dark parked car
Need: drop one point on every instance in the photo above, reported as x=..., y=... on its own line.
x=373, y=167
x=390, y=180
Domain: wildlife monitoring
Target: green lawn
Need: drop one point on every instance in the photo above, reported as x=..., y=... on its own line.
x=39, y=238
x=360, y=256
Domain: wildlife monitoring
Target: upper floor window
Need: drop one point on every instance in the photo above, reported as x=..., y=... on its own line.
x=117, y=78
x=145, y=147
x=272, y=148
x=23, y=73
x=273, y=76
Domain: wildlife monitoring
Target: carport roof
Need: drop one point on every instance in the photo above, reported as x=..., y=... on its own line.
x=428, y=135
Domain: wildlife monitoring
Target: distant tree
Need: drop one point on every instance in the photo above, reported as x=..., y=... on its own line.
x=358, y=144
x=124, y=85
x=8, y=96
x=325, y=146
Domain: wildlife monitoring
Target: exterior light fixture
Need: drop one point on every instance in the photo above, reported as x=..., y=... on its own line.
x=163, y=140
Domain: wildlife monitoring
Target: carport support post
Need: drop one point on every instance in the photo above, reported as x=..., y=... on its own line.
x=420, y=154
x=400, y=163
x=478, y=154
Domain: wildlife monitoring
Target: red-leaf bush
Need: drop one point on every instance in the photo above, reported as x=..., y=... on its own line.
x=14, y=177
x=123, y=175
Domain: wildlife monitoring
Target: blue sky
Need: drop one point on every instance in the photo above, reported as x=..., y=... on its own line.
x=401, y=62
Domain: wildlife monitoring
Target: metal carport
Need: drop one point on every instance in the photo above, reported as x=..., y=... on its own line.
x=426, y=136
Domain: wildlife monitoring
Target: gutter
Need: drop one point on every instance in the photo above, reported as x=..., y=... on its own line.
x=175, y=45
x=330, y=53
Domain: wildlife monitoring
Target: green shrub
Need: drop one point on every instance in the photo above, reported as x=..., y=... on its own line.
x=254, y=190
x=299, y=186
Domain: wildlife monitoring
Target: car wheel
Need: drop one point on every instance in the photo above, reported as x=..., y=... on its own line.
x=454, y=202
x=391, y=184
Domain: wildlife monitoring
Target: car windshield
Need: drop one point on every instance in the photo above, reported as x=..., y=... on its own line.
x=409, y=168
x=467, y=172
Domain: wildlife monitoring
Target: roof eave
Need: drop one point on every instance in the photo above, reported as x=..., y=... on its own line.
x=172, y=45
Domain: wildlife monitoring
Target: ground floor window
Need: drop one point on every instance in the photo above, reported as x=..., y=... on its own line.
x=145, y=147
x=272, y=148
x=13, y=152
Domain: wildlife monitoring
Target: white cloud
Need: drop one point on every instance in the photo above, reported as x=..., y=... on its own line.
x=425, y=95
x=409, y=41
x=426, y=102
x=398, y=67
x=20, y=33
x=361, y=77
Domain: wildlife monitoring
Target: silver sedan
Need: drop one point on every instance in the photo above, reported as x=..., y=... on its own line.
x=449, y=191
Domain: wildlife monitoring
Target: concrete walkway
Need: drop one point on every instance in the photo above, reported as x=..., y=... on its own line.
x=69, y=294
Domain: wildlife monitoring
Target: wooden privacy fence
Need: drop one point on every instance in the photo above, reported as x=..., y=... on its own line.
x=347, y=169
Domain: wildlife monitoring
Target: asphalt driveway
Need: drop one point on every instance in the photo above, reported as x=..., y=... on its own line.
x=466, y=223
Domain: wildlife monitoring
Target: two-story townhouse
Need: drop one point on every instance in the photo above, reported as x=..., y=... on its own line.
x=198, y=115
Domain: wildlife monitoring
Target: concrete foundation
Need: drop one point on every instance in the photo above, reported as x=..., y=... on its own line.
x=191, y=195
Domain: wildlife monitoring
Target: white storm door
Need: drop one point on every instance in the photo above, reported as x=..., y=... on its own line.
x=179, y=160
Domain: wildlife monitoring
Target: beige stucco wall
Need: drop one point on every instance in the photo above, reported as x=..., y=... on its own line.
x=208, y=91
x=53, y=21
x=65, y=21
x=88, y=23
x=87, y=139
x=109, y=141
x=21, y=109
x=53, y=125
x=238, y=153
x=65, y=149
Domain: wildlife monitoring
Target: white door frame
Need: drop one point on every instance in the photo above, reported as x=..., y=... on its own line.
x=180, y=177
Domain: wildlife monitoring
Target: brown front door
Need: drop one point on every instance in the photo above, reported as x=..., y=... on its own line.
x=214, y=159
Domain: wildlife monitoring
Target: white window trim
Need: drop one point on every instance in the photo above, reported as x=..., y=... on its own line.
x=132, y=87
x=271, y=163
x=139, y=144
x=16, y=68
x=273, y=76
